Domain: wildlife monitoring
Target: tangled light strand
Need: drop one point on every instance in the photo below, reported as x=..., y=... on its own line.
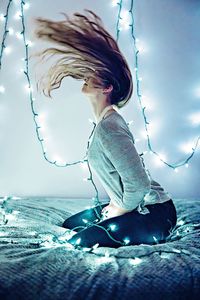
x=5, y=212
x=35, y=114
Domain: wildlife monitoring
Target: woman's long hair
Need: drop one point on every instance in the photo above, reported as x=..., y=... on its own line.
x=88, y=50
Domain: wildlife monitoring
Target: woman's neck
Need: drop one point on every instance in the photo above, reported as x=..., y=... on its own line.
x=104, y=112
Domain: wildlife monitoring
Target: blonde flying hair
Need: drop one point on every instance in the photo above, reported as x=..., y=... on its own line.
x=88, y=50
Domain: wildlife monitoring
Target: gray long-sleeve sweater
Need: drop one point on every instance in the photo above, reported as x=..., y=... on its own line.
x=113, y=157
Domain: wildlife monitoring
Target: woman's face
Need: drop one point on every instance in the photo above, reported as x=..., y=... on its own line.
x=89, y=87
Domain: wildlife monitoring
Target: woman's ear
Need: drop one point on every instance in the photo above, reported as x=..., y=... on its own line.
x=108, y=89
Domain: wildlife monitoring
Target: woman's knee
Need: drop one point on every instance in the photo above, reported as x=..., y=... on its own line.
x=80, y=219
x=91, y=236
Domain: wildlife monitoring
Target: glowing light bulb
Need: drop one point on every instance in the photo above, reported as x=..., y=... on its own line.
x=187, y=229
x=41, y=117
x=28, y=88
x=130, y=122
x=46, y=138
x=107, y=254
x=26, y=5
x=180, y=222
x=10, y=217
x=43, y=129
x=143, y=134
x=197, y=92
x=135, y=261
x=95, y=246
x=15, y=197
x=158, y=160
x=103, y=260
x=78, y=241
x=124, y=13
x=176, y=170
x=165, y=255
x=33, y=232
x=19, y=35
x=88, y=207
x=85, y=221
x=17, y=15
x=86, y=179
x=30, y=44
x=187, y=147
x=124, y=19
x=2, y=17
x=126, y=241
x=152, y=128
x=114, y=2
x=112, y=227
x=84, y=166
x=7, y=50
x=155, y=239
x=58, y=159
x=90, y=120
x=21, y=70
x=126, y=25
x=2, y=89
x=11, y=31
x=176, y=250
x=141, y=46
x=195, y=118
x=147, y=103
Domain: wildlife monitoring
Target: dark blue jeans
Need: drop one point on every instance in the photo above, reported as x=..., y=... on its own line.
x=131, y=228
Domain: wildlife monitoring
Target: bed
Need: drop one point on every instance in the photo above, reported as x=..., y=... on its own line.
x=37, y=263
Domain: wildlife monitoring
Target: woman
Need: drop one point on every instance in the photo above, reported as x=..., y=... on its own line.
x=139, y=210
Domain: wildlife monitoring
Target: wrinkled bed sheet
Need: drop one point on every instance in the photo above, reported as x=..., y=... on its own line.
x=37, y=263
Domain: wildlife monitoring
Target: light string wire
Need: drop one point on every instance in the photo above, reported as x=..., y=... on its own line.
x=139, y=95
x=51, y=240
x=181, y=230
x=6, y=31
x=107, y=232
x=35, y=114
x=120, y=4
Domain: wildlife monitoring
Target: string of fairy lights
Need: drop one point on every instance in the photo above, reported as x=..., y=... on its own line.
x=125, y=21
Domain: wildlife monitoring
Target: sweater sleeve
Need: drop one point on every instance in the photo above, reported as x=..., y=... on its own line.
x=118, y=145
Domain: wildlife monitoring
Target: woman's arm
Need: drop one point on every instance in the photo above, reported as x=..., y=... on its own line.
x=118, y=145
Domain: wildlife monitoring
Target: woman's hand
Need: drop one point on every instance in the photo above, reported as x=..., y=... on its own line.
x=111, y=211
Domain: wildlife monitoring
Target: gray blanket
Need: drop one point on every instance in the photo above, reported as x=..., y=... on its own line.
x=36, y=262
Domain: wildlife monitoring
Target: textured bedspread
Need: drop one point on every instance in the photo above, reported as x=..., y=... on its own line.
x=35, y=263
